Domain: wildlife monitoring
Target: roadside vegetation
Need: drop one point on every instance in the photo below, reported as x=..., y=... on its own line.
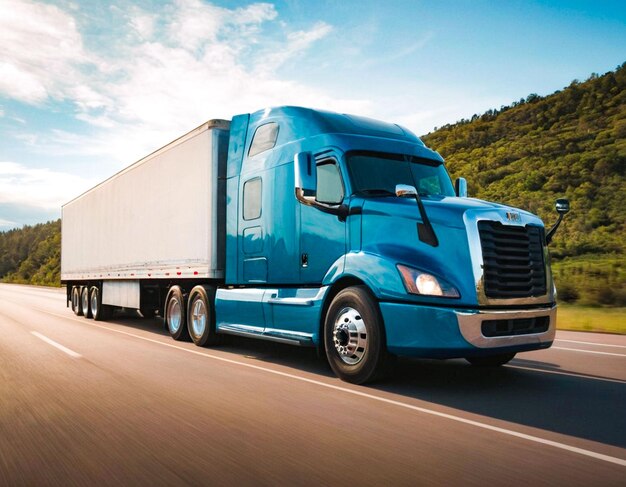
x=32, y=254
x=569, y=144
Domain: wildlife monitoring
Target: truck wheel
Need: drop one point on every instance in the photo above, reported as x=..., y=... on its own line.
x=99, y=311
x=200, y=316
x=354, y=336
x=76, y=301
x=175, y=314
x=84, y=298
x=491, y=360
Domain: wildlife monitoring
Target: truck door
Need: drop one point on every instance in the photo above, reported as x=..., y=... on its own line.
x=322, y=235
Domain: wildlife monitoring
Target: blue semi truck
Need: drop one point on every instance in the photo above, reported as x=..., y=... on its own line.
x=316, y=229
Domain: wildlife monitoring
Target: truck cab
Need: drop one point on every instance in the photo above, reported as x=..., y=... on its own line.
x=346, y=233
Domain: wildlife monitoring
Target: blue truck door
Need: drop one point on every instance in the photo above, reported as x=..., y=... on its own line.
x=251, y=231
x=322, y=235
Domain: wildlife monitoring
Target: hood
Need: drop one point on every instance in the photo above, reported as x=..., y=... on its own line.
x=446, y=211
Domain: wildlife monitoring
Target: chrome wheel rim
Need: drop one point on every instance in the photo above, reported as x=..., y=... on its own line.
x=85, y=301
x=94, y=302
x=350, y=336
x=198, y=317
x=174, y=315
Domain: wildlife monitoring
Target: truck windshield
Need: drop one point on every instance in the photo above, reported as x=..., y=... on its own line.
x=375, y=173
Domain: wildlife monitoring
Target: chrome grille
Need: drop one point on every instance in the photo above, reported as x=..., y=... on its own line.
x=513, y=265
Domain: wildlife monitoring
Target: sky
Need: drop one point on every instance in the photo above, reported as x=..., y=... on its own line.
x=88, y=87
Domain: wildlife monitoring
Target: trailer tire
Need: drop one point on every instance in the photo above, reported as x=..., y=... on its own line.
x=175, y=314
x=491, y=360
x=76, y=301
x=201, y=316
x=99, y=311
x=84, y=298
x=354, y=337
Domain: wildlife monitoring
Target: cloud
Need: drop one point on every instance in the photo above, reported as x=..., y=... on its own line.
x=6, y=223
x=296, y=43
x=41, y=51
x=164, y=72
x=44, y=189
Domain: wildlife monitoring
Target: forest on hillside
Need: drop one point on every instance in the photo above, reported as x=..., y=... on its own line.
x=569, y=144
x=32, y=254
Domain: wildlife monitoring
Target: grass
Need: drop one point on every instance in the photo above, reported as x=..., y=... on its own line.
x=587, y=318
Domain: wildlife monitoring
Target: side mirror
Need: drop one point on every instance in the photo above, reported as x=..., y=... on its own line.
x=562, y=208
x=305, y=173
x=460, y=187
x=405, y=191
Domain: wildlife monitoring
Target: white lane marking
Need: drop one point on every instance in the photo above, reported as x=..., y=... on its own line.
x=535, y=439
x=71, y=353
x=589, y=351
x=591, y=343
x=571, y=374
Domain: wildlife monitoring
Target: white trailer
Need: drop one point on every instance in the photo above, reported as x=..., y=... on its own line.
x=162, y=217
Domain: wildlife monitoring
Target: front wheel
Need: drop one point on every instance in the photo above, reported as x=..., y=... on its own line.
x=491, y=360
x=354, y=336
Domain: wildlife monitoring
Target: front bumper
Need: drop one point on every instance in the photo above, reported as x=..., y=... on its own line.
x=432, y=332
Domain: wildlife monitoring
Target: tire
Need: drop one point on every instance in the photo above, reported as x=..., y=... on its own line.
x=491, y=360
x=99, y=311
x=354, y=337
x=77, y=307
x=201, y=317
x=84, y=298
x=175, y=314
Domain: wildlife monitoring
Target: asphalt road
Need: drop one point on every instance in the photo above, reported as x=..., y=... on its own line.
x=121, y=403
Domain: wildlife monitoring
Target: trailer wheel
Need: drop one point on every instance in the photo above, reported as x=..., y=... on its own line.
x=354, y=336
x=491, y=360
x=175, y=314
x=84, y=298
x=99, y=311
x=200, y=316
x=76, y=301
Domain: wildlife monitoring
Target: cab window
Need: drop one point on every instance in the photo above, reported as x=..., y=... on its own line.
x=329, y=184
x=252, y=190
x=264, y=138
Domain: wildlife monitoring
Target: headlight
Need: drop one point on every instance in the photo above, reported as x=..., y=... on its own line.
x=422, y=283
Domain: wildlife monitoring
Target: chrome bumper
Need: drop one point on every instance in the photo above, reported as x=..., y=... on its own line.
x=470, y=325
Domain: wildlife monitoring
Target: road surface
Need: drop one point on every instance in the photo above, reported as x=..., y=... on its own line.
x=121, y=403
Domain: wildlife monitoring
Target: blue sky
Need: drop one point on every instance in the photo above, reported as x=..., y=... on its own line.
x=88, y=87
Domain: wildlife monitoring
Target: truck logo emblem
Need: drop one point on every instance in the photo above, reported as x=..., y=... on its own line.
x=513, y=216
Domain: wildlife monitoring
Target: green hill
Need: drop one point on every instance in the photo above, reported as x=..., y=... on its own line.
x=32, y=254
x=569, y=144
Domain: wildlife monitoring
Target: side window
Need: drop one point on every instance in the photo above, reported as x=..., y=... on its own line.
x=329, y=185
x=264, y=138
x=252, y=191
